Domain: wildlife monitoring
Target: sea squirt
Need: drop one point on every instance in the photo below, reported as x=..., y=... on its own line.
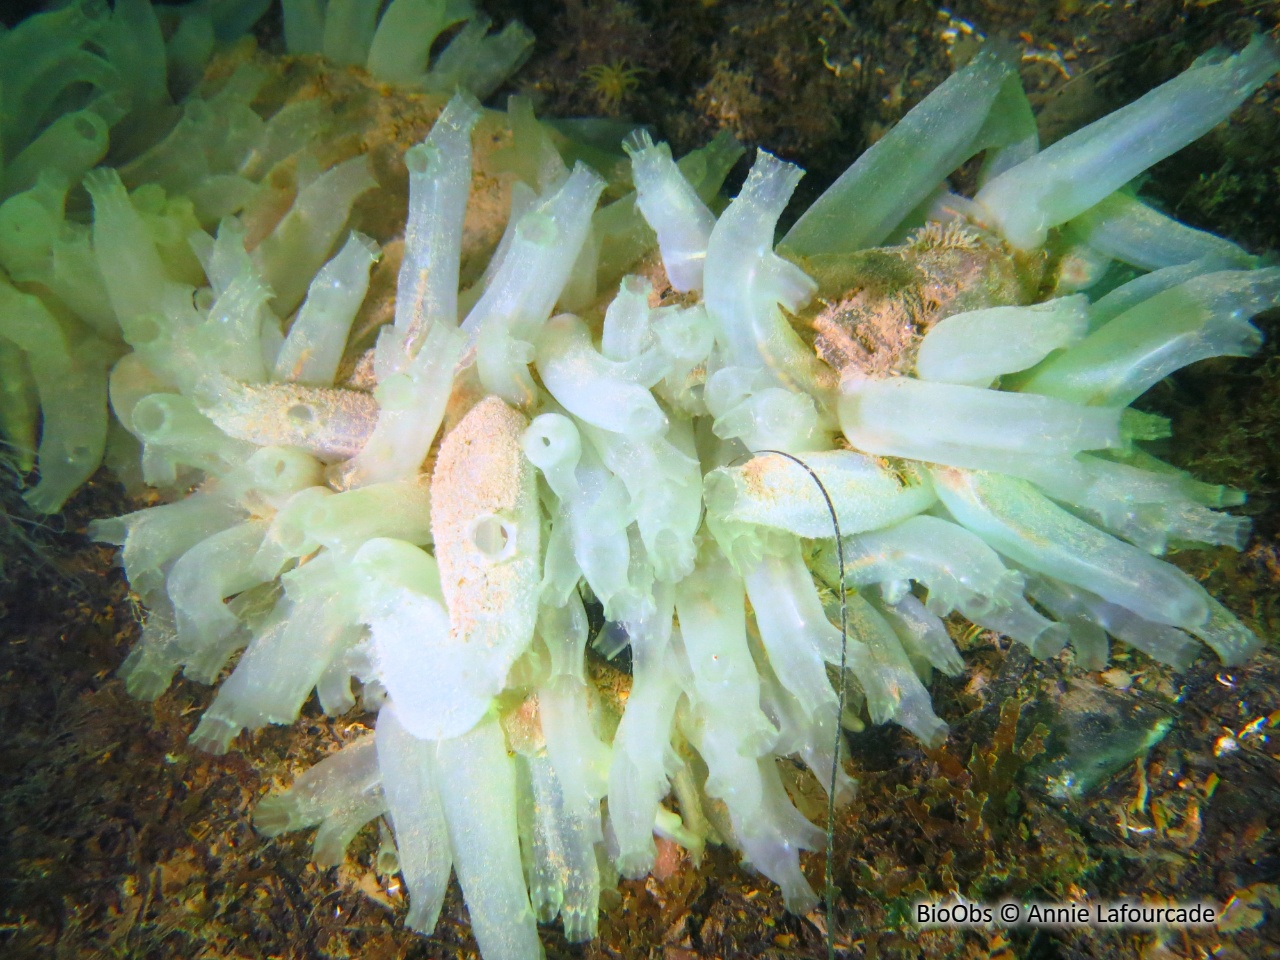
x=427, y=516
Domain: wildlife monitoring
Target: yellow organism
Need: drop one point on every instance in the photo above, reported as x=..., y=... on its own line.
x=612, y=83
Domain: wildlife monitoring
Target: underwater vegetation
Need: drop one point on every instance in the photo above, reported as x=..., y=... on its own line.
x=770, y=467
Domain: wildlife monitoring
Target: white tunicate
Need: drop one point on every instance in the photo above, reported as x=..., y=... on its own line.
x=527, y=283
x=673, y=208
x=597, y=518
x=684, y=335
x=643, y=761
x=126, y=254
x=232, y=335
x=487, y=535
x=564, y=878
x=894, y=691
x=923, y=635
x=628, y=330
x=332, y=424
x=1226, y=636
x=732, y=733
x=443, y=688
x=476, y=779
x=72, y=145
x=271, y=476
x=976, y=347
x=204, y=576
x=952, y=562
x=1123, y=227
x=311, y=624
x=747, y=406
x=775, y=491
x=439, y=181
x=443, y=691
x=476, y=61
x=664, y=483
x=1020, y=621
x=397, y=508
x=612, y=395
x=770, y=830
x=399, y=48
x=408, y=772
x=312, y=350
x=899, y=172
x=1146, y=508
x=1206, y=316
x=153, y=538
x=411, y=406
x=746, y=282
x=176, y=434
x=968, y=426
x=795, y=633
x=1027, y=527
x=341, y=793
x=289, y=535
x=793, y=626
x=553, y=445
x=1089, y=641
x=1088, y=616
x=289, y=257
x=960, y=571
x=709, y=605
x=578, y=762
x=1069, y=177
x=1147, y=285
x=71, y=383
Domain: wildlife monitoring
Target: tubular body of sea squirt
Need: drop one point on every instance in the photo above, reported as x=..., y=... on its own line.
x=485, y=523
x=428, y=516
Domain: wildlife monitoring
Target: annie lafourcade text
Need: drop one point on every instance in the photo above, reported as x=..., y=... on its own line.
x=1121, y=914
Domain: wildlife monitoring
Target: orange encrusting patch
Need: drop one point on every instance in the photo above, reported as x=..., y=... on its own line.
x=482, y=470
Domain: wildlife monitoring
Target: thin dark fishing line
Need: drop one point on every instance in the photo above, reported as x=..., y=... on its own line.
x=829, y=886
